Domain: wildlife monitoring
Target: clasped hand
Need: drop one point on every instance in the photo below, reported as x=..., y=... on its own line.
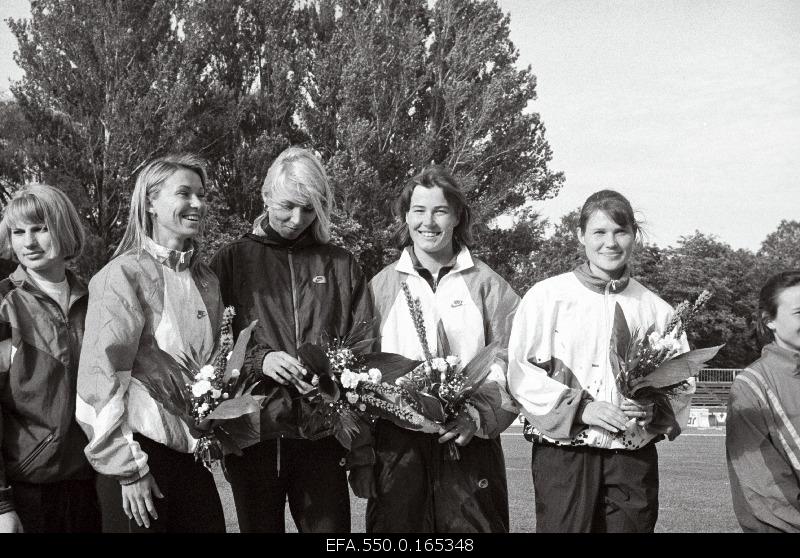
x=286, y=370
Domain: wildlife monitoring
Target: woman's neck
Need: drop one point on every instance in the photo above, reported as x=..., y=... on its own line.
x=606, y=275
x=172, y=242
x=436, y=261
x=53, y=274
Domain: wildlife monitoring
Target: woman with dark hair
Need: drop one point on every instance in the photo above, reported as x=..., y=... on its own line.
x=761, y=430
x=418, y=489
x=587, y=477
x=299, y=287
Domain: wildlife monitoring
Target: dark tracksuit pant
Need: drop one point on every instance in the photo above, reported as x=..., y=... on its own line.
x=190, y=504
x=68, y=506
x=593, y=490
x=421, y=491
x=311, y=475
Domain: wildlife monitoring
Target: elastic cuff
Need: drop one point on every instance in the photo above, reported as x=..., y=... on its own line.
x=253, y=362
x=125, y=481
x=586, y=398
x=6, y=500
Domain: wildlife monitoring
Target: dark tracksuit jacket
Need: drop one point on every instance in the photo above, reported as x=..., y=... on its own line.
x=40, y=439
x=299, y=291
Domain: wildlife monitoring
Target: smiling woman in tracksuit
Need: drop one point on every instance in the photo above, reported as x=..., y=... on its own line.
x=154, y=292
x=417, y=488
x=586, y=477
x=300, y=288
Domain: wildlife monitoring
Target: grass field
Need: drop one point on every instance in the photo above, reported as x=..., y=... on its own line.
x=695, y=494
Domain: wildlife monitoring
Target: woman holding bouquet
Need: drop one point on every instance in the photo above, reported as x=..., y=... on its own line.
x=762, y=441
x=154, y=294
x=419, y=487
x=594, y=460
x=299, y=287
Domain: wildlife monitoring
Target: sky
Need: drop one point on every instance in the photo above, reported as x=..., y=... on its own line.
x=690, y=108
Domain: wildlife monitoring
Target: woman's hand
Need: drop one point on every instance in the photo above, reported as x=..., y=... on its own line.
x=605, y=415
x=286, y=370
x=10, y=523
x=641, y=410
x=462, y=428
x=137, y=500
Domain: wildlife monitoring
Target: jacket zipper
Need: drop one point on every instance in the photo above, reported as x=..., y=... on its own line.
x=607, y=390
x=35, y=453
x=296, y=338
x=65, y=319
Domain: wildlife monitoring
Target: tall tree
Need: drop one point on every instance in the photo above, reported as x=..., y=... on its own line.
x=781, y=248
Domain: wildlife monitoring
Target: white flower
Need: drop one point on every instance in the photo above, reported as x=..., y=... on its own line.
x=224, y=395
x=206, y=373
x=235, y=373
x=362, y=407
x=453, y=360
x=352, y=397
x=654, y=339
x=349, y=379
x=439, y=364
x=203, y=409
x=216, y=393
x=315, y=380
x=201, y=388
x=375, y=375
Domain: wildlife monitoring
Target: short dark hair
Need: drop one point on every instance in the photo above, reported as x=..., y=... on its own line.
x=615, y=205
x=430, y=177
x=768, y=301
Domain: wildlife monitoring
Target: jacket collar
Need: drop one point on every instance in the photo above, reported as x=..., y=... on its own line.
x=173, y=259
x=463, y=260
x=784, y=357
x=21, y=279
x=265, y=234
x=598, y=285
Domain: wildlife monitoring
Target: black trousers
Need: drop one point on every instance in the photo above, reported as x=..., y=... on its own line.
x=592, y=490
x=68, y=506
x=310, y=474
x=190, y=504
x=420, y=490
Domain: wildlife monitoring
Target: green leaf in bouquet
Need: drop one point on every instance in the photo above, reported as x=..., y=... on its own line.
x=442, y=342
x=362, y=335
x=430, y=407
x=234, y=408
x=239, y=351
x=678, y=369
x=346, y=429
x=391, y=365
x=328, y=388
x=314, y=359
x=620, y=334
x=477, y=369
x=227, y=442
x=165, y=379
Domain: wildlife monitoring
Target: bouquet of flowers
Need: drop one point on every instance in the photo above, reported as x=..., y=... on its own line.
x=650, y=366
x=206, y=396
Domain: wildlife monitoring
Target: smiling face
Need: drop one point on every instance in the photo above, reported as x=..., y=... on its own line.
x=289, y=218
x=177, y=210
x=786, y=323
x=431, y=221
x=33, y=247
x=608, y=245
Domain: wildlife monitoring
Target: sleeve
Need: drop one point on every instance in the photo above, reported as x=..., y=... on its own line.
x=223, y=266
x=364, y=324
x=114, y=324
x=764, y=485
x=550, y=406
x=6, y=499
x=495, y=409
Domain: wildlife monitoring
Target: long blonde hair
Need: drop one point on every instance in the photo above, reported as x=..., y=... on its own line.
x=148, y=184
x=299, y=177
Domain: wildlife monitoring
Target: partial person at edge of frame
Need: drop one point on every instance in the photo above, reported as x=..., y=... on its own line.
x=762, y=444
x=46, y=483
x=287, y=275
x=418, y=489
x=154, y=291
x=560, y=374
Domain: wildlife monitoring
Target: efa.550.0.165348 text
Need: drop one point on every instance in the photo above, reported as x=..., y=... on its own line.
x=400, y=544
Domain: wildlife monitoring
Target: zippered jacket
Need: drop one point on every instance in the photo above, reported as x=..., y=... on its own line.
x=763, y=444
x=559, y=355
x=476, y=307
x=155, y=296
x=39, y=438
x=299, y=291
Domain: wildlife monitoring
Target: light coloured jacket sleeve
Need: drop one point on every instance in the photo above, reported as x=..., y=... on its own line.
x=495, y=409
x=764, y=485
x=551, y=406
x=114, y=323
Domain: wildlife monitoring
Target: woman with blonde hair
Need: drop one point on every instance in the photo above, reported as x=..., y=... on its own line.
x=300, y=288
x=46, y=484
x=154, y=294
